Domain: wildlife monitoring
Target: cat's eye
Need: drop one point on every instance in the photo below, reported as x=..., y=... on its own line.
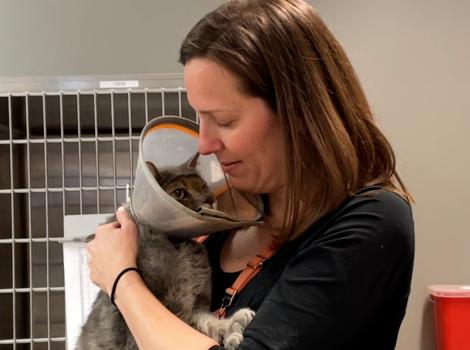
x=179, y=194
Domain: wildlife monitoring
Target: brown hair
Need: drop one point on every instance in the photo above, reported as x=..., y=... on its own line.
x=283, y=52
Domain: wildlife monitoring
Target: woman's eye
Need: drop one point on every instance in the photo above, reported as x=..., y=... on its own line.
x=179, y=194
x=225, y=124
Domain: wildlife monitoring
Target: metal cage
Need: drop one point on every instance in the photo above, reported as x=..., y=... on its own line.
x=66, y=147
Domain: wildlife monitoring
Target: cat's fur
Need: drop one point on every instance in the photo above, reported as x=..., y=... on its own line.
x=177, y=273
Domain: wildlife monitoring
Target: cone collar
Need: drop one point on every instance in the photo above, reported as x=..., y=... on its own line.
x=168, y=142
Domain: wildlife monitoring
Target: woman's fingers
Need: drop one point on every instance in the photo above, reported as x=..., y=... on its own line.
x=109, y=226
x=113, y=249
x=124, y=219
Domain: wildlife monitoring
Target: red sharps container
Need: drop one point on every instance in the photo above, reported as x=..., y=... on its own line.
x=451, y=316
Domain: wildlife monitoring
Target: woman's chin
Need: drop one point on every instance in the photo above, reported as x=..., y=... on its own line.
x=244, y=186
x=241, y=184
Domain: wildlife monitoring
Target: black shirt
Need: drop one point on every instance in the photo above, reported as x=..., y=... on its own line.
x=343, y=284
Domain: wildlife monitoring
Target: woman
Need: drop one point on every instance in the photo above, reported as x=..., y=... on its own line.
x=282, y=109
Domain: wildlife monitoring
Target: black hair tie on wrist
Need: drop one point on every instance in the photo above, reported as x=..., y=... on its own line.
x=113, y=290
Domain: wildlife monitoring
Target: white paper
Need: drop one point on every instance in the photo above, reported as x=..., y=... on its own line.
x=80, y=292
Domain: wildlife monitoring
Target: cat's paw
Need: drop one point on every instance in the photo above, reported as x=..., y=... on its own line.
x=243, y=317
x=237, y=324
x=233, y=341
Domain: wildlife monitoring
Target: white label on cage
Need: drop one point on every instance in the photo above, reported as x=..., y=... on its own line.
x=118, y=84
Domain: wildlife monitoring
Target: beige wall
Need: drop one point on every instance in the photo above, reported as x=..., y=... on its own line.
x=414, y=60
x=89, y=37
x=413, y=57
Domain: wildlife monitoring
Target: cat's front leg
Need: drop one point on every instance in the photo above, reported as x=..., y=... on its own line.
x=210, y=325
x=228, y=331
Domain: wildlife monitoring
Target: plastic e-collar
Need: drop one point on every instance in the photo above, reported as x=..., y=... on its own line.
x=169, y=141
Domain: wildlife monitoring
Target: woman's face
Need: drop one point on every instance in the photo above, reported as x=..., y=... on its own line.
x=242, y=131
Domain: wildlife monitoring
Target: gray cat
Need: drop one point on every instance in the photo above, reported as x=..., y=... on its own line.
x=177, y=273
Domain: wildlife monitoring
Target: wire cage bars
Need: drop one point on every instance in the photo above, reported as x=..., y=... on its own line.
x=61, y=153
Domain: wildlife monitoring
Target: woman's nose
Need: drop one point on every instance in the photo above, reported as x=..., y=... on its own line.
x=209, y=142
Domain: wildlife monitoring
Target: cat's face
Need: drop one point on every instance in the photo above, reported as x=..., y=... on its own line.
x=184, y=184
x=189, y=189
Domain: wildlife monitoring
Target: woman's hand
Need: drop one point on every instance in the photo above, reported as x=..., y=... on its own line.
x=113, y=249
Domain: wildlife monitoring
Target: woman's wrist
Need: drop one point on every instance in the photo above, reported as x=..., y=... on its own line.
x=128, y=279
x=118, y=278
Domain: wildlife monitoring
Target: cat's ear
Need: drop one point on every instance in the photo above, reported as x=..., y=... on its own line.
x=154, y=171
x=191, y=163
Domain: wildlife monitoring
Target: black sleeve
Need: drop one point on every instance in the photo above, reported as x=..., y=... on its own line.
x=346, y=288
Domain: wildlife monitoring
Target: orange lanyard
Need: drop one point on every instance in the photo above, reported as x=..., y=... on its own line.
x=253, y=267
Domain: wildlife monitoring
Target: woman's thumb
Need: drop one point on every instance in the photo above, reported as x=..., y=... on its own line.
x=122, y=216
